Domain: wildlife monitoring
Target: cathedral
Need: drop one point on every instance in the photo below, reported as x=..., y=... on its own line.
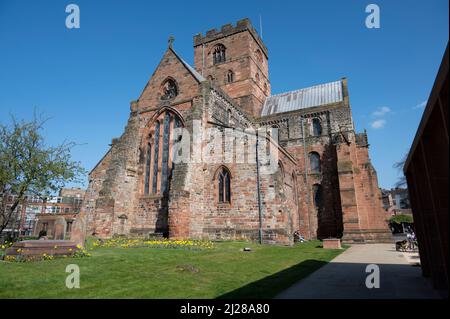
x=209, y=153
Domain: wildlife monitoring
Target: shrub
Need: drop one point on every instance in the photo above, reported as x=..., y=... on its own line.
x=401, y=218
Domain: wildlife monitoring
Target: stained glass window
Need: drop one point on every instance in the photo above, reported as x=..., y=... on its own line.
x=165, y=154
x=155, y=160
x=224, y=185
x=147, y=168
x=314, y=162
x=164, y=133
x=169, y=90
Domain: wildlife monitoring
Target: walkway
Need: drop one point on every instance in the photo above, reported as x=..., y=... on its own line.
x=344, y=277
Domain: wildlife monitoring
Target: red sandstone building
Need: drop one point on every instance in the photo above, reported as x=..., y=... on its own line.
x=426, y=171
x=323, y=185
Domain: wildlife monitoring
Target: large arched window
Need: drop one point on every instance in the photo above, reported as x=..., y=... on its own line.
x=314, y=162
x=219, y=53
x=158, y=162
x=224, y=185
x=317, y=127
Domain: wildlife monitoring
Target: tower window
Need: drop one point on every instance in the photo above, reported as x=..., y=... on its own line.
x=219, y=54
x=314, y=162
x=317, y=127
x=257, y=77
x=230, y=76
x=259, y=56
x=224, y=185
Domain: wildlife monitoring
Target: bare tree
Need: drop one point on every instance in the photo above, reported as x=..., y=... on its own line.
x=401, y=183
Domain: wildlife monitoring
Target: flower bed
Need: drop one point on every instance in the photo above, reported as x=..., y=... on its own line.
x=23, y=254
x=159, y=243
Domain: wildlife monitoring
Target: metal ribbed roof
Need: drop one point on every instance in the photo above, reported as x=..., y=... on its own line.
x=317, y=95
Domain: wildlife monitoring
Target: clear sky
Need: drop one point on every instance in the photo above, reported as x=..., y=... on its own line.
x=85, y=78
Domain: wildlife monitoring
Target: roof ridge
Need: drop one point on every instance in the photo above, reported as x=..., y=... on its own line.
x=312, y=96
x=308, y=87
x=194, y=72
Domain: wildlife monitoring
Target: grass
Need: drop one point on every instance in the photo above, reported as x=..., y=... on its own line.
x=223, y=272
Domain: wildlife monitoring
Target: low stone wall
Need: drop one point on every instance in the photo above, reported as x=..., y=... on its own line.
x=40, y=247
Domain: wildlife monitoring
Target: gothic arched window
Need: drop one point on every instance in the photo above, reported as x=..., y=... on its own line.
x=155, y=159
x=317, y=127
x=169, y=90
x=230, y=76
x=165, y=153
x=318, y=195
x=158, y=163
x=147, y=168
x=219, y=53
x=224, y=185
x=314, y=162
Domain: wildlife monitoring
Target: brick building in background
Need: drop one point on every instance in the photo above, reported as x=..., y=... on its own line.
x=426, y=171
x=396, y=201
x=324, y=184
x=35, y=213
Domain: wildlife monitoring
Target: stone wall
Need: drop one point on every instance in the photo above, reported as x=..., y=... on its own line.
x=116, y=203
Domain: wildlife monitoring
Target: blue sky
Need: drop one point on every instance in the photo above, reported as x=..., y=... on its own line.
x=84, y=79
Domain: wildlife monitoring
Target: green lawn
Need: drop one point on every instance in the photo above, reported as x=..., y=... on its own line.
x=223, y=272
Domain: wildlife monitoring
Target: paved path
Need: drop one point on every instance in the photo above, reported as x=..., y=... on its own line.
x=344, y=277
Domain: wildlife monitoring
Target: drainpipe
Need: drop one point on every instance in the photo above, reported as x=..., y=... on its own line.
x=258, y=190
x=308, y=195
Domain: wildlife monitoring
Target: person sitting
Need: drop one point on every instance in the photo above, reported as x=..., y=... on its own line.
x=43, y=235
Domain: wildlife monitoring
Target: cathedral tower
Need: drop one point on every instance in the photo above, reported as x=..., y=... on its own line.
x=236, y=60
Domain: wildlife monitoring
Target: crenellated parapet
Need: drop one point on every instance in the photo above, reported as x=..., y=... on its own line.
x=227, y=30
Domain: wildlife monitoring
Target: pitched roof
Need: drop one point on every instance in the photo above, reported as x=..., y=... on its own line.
x=317, y=95
x=196, y=75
